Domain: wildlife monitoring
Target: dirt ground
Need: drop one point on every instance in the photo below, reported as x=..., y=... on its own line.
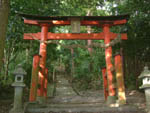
x=5, y=106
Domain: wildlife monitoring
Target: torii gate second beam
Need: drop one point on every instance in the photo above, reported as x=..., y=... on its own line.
x=73, y=36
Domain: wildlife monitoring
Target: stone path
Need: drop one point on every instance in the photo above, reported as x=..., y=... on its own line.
x=65, y=94
x=63, y=87
x=67, y=101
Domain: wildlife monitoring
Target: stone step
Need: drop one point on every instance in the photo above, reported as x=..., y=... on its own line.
x=61, y=82
x=64, y=90
x=63, y=85
x=80, y=108
x=75, y=100
x=65, y=93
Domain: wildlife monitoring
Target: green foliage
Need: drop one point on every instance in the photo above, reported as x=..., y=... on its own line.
x=136, y=48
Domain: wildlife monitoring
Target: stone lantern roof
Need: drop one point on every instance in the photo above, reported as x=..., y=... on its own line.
x=19, y=71
x=145, y=73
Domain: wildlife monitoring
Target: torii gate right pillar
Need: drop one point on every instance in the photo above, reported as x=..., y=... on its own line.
x=109, y=66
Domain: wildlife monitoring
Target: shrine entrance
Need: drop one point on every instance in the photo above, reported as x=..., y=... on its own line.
x=40, y=72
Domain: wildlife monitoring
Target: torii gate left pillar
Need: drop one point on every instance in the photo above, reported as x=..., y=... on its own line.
x=42, y=73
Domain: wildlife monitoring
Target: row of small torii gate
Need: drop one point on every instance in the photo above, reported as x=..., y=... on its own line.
x=40, y=72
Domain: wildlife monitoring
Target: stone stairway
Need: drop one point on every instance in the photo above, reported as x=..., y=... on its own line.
x=66, y=95
x=67, y=101
x=63, y=88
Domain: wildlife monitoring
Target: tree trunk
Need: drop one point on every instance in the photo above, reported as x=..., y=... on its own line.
x=4, y=10
x=89, y=13
x=89, y=42
x=72, y=62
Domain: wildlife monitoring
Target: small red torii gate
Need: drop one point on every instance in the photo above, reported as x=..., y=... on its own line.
x=46, y=22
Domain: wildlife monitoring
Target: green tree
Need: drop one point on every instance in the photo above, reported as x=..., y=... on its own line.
x=136, y=49
x=4, y=11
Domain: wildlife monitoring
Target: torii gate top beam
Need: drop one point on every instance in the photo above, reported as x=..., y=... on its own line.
x=51, y=21
x=66, y=20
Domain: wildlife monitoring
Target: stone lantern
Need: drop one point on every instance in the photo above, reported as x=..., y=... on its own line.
x=145, y=76
x=18, y=86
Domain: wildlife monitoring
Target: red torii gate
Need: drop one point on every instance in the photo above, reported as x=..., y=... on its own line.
x=46, y=22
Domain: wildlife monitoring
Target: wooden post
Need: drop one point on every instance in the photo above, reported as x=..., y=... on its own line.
x=44, y=33
x=109, y=66
x=34, y=78
x=46, y=82
x=89, y=30
x=105, y=83
x=120, y=79
x=72, y=62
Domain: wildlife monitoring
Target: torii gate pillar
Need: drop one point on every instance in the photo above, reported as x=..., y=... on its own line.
x=42, y=73
x=105, y=83
x=120, y=79
x=109, y=66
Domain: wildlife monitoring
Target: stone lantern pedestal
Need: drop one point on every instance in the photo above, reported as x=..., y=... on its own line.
x=147, y=95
